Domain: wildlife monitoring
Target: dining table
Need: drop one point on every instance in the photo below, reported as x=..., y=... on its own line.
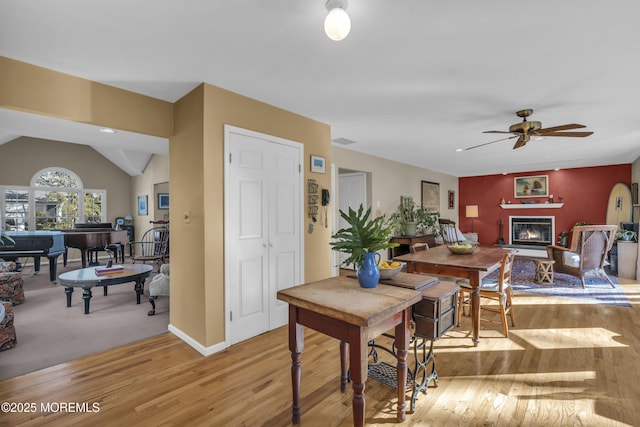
x=474, y=267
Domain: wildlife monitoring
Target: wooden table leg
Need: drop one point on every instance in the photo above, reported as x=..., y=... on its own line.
x=402, y=347
x=344, y=366
x=358, y=367
x=475, y=308
x=296, y=344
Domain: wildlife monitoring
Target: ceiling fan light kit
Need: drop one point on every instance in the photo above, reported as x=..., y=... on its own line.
x=337, y=24
x=526, y=129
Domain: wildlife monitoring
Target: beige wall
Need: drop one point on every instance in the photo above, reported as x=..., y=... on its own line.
x=196, y=186
x=26, y=87
x=157, y=171
x=390, y=180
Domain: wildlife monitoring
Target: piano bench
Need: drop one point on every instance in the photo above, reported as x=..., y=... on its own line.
x=116, y=248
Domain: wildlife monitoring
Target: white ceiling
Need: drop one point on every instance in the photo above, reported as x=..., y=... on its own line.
x=413, y=81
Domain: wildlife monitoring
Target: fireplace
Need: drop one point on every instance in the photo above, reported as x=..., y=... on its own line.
x=532, y=231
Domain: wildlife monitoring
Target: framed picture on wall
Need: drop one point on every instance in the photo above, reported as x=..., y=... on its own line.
x=452, y=199
x=163, y=200
x=531, y=186
x=143, y=208
x=431, y=196
x=317, y=164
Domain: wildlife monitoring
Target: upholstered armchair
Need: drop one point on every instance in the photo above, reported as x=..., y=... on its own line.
x=11, y=283
x=590, y=245
x=159, y=286
x=7, y=330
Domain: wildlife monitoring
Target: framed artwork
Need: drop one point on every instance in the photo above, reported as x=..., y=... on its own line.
x=143, y=208
x=317, y=164
x=431, y=196
x=634, y=193
x=531, y=186
x=163, y=200
x=452, y=199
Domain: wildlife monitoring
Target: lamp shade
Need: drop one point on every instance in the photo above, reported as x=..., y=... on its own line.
x=337, y=24
x=472, y=211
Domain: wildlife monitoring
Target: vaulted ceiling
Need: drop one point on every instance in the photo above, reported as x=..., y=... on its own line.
x=413, y=81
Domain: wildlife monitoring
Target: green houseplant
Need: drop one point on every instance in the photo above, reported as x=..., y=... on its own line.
x=627, y=235
x=361, y=240
x=410, y=218
x=4, y=237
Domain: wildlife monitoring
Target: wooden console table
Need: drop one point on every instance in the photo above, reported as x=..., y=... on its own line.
x=340, y=308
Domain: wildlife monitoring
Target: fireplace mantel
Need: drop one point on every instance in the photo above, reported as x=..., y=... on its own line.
x=531, y=205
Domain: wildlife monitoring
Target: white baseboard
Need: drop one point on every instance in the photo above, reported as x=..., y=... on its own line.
x=205, y=351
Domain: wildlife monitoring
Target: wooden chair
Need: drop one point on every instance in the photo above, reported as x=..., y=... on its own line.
x=154, y=247
x=418, y=247
x=590, y=246
x=499, y=291
x=450, y=232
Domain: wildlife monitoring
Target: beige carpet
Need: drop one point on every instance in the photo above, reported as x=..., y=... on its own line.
x=49, y=333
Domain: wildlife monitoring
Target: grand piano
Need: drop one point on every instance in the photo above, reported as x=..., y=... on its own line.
x=52, y=244
x=35, y=244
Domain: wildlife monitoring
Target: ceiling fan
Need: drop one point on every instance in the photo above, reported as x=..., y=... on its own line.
x=526, y=129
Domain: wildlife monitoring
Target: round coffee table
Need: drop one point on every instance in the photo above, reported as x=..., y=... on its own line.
x=86, y=278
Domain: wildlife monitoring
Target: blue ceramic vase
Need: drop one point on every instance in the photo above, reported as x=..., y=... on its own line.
x=368, y=273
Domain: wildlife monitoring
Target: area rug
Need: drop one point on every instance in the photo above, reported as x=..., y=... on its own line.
x=597, y=290
x=50, y=333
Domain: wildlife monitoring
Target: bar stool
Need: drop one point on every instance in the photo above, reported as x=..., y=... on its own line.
x=544, y=271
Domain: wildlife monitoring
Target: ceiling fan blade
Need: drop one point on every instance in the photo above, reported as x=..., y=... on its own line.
x=487, y=143
x=496, y=131
x=521, y=142
x=563, y=127
x=571, y=134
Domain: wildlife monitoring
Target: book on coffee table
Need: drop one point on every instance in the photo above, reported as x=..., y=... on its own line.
x=105, y=270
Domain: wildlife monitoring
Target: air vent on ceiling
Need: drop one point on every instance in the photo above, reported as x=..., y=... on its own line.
x=343, y=141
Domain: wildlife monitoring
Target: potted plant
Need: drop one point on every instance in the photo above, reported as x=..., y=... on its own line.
x=361, y=240
x=627, y=235
x=4, y=237
x=409, y=218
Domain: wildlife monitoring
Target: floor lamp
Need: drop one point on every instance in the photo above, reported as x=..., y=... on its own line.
x=472, y=212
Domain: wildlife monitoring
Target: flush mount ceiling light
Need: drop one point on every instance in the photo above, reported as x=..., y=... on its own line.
x=107, y=130
x=337, y=23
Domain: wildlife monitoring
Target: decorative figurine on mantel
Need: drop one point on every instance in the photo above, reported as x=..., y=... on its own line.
x=502, y=201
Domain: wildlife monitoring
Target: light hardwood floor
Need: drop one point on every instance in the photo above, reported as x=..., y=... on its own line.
x=565, y=363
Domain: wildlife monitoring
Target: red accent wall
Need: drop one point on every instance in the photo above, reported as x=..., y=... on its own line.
x=585, y=194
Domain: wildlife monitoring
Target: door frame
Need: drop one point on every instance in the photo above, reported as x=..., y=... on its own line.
x=229, y=129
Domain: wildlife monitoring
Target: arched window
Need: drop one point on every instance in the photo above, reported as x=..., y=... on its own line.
x=55, y=200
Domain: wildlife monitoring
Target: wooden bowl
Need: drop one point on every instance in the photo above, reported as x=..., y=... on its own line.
x=462, y=250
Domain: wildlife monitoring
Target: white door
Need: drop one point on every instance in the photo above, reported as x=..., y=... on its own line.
x=263, y=237
x=352, y=191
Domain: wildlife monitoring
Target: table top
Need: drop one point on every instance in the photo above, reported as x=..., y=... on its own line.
x=343, y=299
x=483, y=259
x=87, y=277
x=406, y=280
